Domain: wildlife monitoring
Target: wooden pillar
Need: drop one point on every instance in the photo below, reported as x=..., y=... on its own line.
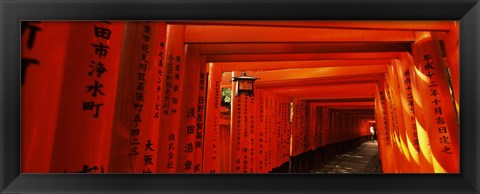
x=189, y=111
x=212, y=129
x=43, y=62
x=398, y=117
x=388, y=165
x=423, y=139
x=87, y=98
x=172, y=97
x=134, y=135
x=407, y=109
x=200, y=123
x=260, y=132
x=439, y=110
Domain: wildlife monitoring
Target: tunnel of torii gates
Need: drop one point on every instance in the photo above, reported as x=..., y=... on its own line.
x=145, y=97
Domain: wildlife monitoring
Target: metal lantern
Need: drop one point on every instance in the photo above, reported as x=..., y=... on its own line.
x=244, y=84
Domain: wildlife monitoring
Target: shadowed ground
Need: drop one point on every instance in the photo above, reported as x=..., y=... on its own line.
x=363, y=159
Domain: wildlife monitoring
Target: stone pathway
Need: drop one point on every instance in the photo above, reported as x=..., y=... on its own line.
x=364, y=159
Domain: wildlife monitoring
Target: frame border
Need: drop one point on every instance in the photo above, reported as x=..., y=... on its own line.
x=13, y=11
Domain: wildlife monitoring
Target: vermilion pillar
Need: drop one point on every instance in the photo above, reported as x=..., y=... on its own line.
x=399, y=118
x=213, y=140
x=134, y=134
x=260, y=132
x=408, y=111
x=172, y=96
x=423, y=139
x=388, y=162
x=438, y=107
x=201, y=118
x=42, y=74
x=190, y=112
x=87, y=98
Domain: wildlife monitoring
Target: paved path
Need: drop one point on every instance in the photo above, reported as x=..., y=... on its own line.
x=364, y=159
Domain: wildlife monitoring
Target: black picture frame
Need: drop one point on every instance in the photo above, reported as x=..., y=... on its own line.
x=13, y=11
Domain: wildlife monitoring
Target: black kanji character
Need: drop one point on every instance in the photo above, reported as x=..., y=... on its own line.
x=430, y=74
x=148, y=146
x=101, y=50
x=33, y=32
x=141, y=77
x=171, y=146
x=190, y=129
x=145, y=48
x=148, y=170
x=429, y=66
x=427, y=57
x=188, y=148
x=191, y=113
x=147, y=28
x=188, y=165
x=142, y=67
x=135, y=132
x=442, y=130
x=137, y=118
x=148, y=159
x=102, y=32
x=90, y=106
x=86, y=169
x=99, y=68
x=446, y=149
x=169, y=164
x=197, y=168
x=141, y=86
x=25, y=63
x=440, y=120
x=444, y=140
x=171, y=137
x=171, y=155
x=139, y=97
x=146, y=37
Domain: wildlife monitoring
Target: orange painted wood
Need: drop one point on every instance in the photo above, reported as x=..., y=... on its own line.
x=200, y=124
x=384, y=129
x=375, y=25
x=300, y=56
x=246, y=34
x=134, y=136
x=284, y=48
x=408, y=111
x=189, y=111
x=260, y=132
x=440, y=116
x=171, y=91
x=423, y=139
x=213, y=140
x=321, y=72
x=41, y=90
x=82, y=137
x=399, y=158
x=275, y=65
x=399, y=118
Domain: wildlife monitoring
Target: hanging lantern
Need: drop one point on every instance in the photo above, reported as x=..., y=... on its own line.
x=244, y=84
